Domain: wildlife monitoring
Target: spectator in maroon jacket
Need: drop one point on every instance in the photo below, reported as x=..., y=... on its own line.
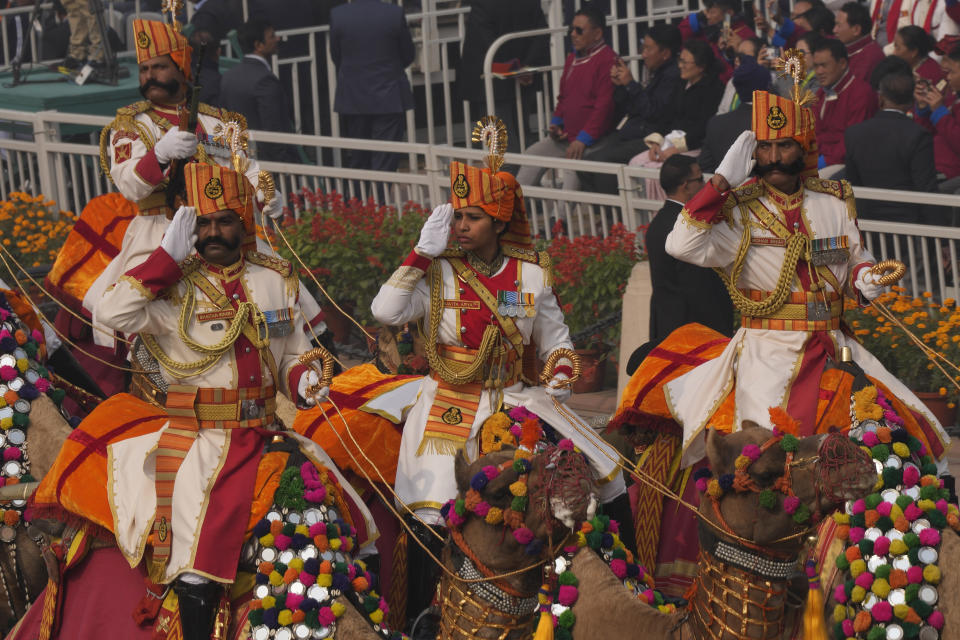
x=914, y=45
x=584, y=111
x=842, y=100
x=853, y=28
x=944, y=121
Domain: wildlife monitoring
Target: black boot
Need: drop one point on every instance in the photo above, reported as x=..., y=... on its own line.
x=422, y=576
x=619, y=509
x=198, y=605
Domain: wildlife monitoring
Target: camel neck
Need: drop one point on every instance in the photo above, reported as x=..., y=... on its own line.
x=733, y=604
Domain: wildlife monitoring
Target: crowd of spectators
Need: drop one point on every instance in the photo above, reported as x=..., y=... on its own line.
x=885, y=110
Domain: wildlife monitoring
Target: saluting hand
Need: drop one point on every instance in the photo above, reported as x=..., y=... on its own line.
x=435, y=234
x=180, y=237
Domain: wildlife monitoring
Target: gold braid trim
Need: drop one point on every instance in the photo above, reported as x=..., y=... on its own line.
x=797, y=245
x=456, y=374
x=211, y=353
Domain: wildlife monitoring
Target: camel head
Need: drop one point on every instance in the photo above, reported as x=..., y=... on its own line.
x=771, y=488
x=521, y=503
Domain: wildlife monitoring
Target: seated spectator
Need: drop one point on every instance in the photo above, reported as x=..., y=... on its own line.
x=891, y=151
x=682, y=292
x=695, y=104
x=724, y=128
x=251, y=89
x=709, y=25
x=853, y=29
x=750, y=47
x=914, y=45
x=842, y=100
x=783, y=84
x=642, y=108
x=944, y=121
x=584, y=111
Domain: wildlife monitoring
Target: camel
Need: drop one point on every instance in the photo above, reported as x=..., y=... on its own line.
x=729, y=602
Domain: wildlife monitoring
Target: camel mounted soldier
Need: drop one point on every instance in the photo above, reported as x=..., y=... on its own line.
x=489, y=309
x=787, y=246
x=217, y=342
x=144, y=149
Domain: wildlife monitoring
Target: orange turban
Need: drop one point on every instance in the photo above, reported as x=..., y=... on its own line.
x=212, y=188
x=497, y=194
x=160, y=39
x=777, y=118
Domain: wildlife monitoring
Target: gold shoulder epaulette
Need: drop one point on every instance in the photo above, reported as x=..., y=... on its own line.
x=527, y=255
x=840, y=189
x=141, y=106
x=281, y=266
x=191, y=264
x=749, y=191
x=836, y=188
x=209, y=110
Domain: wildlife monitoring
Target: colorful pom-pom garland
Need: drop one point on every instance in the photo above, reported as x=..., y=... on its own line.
x=892, y=536
x=557, y=596
x=303, y=549
x=520, y=428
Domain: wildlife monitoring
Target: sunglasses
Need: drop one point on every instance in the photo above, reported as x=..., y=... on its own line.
x=576, y=30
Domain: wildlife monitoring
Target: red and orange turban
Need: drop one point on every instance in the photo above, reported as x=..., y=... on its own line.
x=212, y=188
x=155, y=39
x=499, y=194
x=777, y=118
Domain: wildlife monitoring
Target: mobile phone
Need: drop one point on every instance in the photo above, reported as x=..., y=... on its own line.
x=726, y=24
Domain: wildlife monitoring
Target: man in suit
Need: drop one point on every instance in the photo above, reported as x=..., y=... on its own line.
x=724, y=128
x=682, y=292
x=371, y=46
x=251, y=89
x=891, y=151
x=487, y=21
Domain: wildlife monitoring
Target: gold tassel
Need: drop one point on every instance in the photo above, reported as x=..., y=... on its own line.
x=398, y=582
x=814, y=627
x=49, y=612
x=544, y=627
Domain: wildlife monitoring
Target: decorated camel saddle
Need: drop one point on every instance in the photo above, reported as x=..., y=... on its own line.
x=301, y=575
x=670, y=453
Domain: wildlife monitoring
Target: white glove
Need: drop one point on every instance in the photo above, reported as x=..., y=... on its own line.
x=50, y=337
x=307, y=379
x=868, y=284
x=560, y=393
x=274, y=208
x=435, y=234
x=175, y=145
x=180, y=237
x=738, y=163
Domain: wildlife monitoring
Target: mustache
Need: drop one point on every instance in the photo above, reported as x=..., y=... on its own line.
x=795, y=168
x=170, y=87
x=224, y=242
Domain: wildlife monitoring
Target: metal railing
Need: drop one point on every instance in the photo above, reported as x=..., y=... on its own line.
x=37, y=160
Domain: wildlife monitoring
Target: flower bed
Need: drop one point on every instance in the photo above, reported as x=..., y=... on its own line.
x=32, y=230
x=936, y=325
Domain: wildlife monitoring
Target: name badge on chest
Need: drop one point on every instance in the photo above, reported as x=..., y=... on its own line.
x=515, y=304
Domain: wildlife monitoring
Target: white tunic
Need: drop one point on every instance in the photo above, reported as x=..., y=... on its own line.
x=761, y=365
x=427, y=480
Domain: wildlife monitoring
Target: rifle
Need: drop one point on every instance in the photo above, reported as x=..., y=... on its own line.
x=177, y=185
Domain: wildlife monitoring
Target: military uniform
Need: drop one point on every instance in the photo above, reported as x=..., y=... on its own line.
x=217, y=345
x=127, y=156
x=788, y=260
